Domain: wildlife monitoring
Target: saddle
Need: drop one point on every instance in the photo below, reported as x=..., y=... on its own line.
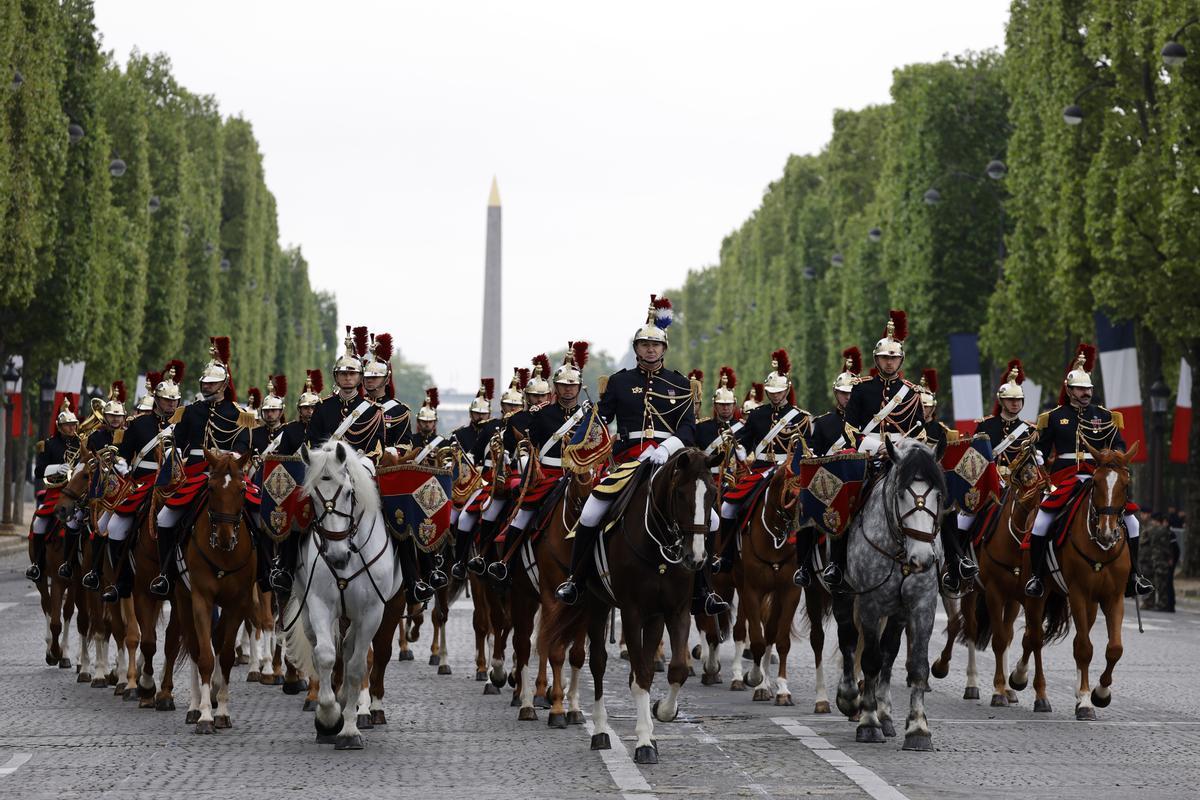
x=754, y=498
x=542, y=519
x=984, y=525
x=619, y=486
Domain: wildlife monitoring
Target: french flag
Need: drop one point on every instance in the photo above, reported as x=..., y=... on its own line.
x=1119, y=366
x=16, y=401
x=68, y=385
x=1183, y=415
x=965, y=381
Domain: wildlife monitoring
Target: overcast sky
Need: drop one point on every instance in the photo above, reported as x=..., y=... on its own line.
x=628, y=139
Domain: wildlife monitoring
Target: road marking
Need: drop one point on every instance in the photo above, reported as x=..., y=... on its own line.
x=14, y=763
x=620, y=766
x=4, y=606
x=867, y=780
x=34, y=593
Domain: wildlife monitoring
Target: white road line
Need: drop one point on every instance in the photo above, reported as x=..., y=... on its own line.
x=14, y=763
x=620, y=766
x=4, y=606
x=867, y=780
x=34, y=593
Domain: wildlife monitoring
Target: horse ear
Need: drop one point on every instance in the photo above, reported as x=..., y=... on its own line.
x=212, y=457
x=244, y=460
x=714, y=460
x=1132, y=450
x=304, y=455
x=341, y=453
x=890, y=448
x=939, y=450
x=1095, y=453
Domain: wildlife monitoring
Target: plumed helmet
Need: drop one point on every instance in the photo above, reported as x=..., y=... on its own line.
x=349, y=360
x=428, y=410
x=1080, y=374
x=539, y=382
x=379, y=357
x=754, y=398
x=894, y=334
x=779, y=379
x=658, y=318
x=116, y=399
x=168, y=387
x=513, y=396
x=314, y=382
x=851, y=368
x=217, y=368
x=276, y=391
x=571, y=371
x=1014, y=377
x=928, y=387
x=65, y=415
x=482, y=404
x=146, y=402
x=726, y=383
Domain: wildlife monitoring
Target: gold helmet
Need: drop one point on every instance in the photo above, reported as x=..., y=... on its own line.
x=168, y=387
x=146, y=402
x=116, y=399
x=356, y=346
x=928, y=387
x=726, y=383
x=1011, y=388
x=894, y=334
x=314, y=382
x=428, y=410
x=217, y=368
x=379, y=357
x=65, y=415
x=482, y=404
x=514, y=396
x=779, y=380
x=571, y=371
x=851, y=367
x=1081, y=373
x=254, y=400
x=754, y=398
x=658, y=318
x=276, y=391
x=538, y=380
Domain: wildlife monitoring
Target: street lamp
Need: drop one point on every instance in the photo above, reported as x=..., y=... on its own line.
x=875, y=234
x=932, y=197
x=74, y=133
x=17, y=79
x=1159, y=393
x=996, y=169
x=154, y=204
x=837, y=260
x=1173, y=53
x=1073, y=114
x=116, y=167
x=809, y=273
x=11, y=376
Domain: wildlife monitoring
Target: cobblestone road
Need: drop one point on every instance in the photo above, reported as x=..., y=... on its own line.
x=60, y=739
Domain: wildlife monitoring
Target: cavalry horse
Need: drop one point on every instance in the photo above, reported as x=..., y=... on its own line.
x=348, y=569
x=892, y=555
x=1093, y=565
x=646, y=568
x=57, y=595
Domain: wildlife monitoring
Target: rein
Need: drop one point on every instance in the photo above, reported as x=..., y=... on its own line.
x=672, y=551
x=218, y=571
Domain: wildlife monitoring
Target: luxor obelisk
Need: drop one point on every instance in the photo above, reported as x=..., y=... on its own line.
x=489, y=366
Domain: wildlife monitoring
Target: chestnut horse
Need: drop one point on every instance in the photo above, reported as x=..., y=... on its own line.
x=1094, y=564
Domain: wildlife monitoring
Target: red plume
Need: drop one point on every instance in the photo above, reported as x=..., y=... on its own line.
x=929, y=374
x=1020, y=368
x=697, y=374
x=317, y=380
x=580, y=350
x=118, y=388
x=153, y=379
x=489, y=387
x=178, y=365
x=432, y=394
x=360, y=340
x=781, y=357
x=759, y=392
x=1089, y=356
x=522, y=377
x=874, y=372
x=383, y=347
x=280, y=383
x=854, y=356
x=221, y=343
x=254, y=397
x=730, y=377
x=544, y=362
x=900, y=321
x=659, y=302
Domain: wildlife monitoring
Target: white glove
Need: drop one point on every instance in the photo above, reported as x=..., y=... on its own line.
x=741, y=453
x=121, y=467
x=658, y=456
x=870, y=444
x=54, y=469
x=1037, y=457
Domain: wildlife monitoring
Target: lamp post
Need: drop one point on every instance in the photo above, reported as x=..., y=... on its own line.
x=1159, y=393
x=12, y=375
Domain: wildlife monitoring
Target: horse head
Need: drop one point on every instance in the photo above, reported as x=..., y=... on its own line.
x=75, y=490
x=686, y=500
x=342, y=492
x=226, y=497
x=915, y=491
x=1110, y=492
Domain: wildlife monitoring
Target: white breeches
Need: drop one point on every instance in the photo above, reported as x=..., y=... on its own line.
x=523, y=517
x=492, y=512
x=167, y=516
x=593, y=510
x=965, y=520
x=118, y=526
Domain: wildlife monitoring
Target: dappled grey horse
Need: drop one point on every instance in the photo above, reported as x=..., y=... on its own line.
x=892, y=557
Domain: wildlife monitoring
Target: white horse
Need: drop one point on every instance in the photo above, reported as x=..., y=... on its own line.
x=349, y=569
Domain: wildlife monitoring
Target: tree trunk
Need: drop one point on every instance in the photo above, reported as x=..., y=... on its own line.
x=1191, y=483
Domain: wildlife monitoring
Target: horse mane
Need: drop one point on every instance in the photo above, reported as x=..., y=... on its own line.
x=916, y=462
x=323, y=459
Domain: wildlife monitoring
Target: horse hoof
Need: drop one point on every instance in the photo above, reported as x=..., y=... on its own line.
x=762, y=694
x=99, y=682
x=654, y=711
x=242, y=659
x=111, y=678
x=847, y=704
x=971, y=693
x=1085, y=713
x=364, y=722
x=515, y=702
x=889, y=728
x=1041, y=706
x=527, y=714
x=51, y=659
x=1101, y=700
x=325, y=738
x=222, y=722
x=557, y=721
x=511, y=680
x=709, y=680
x=146, y=702
x=205, y=726
x=491, y=688
x=433, y=660
x=600, y=742
x=193, y=717
x=999, y=701
x=696, y=651
x=867, y=734
x=624, y=654
x=1017, y=685
x=480, y=675
x=921, y=742
x=754, y=677
x=295, y=687
x=407, y=655
x=83, y=677
x=444, y=669
x=164, y=704
x=541, y=701
x=348, y=742
x=128, y=694
x=1013, y=698
x=329, y=731
x=645, y=755
x=378, y=717
x=784, y=700
x=119, y=691
x=497, y=677
x=64, y=663
x=939, y=669
x=276, y=680
x=737, y=685
x=822, y=707
x=310, y=705
x=746, y=654
x=575, y=717
x=252, y=676
x=268, y=679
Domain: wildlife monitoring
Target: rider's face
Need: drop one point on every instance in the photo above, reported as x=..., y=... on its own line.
x=306, y=413
x=477, y=417
x=373, y=384
x=888, y=365
x=650, y=352
x=567, y=392
x=537, y=399
x=841, y=398
x=426, y=426
x=724, y=411
x=1012, y=405
x=271, y=415
x=114, y=421
x=777, y=398
x=211, y=388
x=346, y=380
x=69, y=428
x=166, y=406
x=930, y=412
x=1080, y=395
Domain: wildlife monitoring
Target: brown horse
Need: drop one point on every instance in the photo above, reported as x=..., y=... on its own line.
x=647, y=570
x=1094, y=564
x=55, y=593
x=219, y=567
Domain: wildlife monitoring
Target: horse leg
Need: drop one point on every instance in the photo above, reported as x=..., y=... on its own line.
x=1083, y=614
x=523, y=613
x=322, y=627
x=355, y=652
x=53, y=609
x=204, y=663
x=381, y=647
x=889, y=647
x=576, y=655
x=921, y=607
x=147, y=613
x=754, y=600
x=788, y=601
x=736, y=681
x=602, y=734
x=1009, y=619
x=870, y=729
x=642, y=637
x=133, y=639
x=667, y=708
x=363, y=701
x=815, y=608
x=1114, y=615
x=848, y=700
x=226, y=638
x=164, y=699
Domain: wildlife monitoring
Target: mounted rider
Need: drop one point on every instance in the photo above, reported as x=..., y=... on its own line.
x=379, y=388
x=1064, y=436
x=712, y=433
x=347, y=415
x=291, y=437
x=828, y=434
x=426, y=440
x=467, y=439
x=655, y=414
x=56, y=456
x=268, y=436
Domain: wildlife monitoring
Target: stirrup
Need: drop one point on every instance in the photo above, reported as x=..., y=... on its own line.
x=110, y=594
x=280, y=580
x=422, y=591
x=1034, y=587
x=91, y=580
x=33, y=573
x=717, y=565
x=65, y=571
x=967, y=568
x=476, y=565
x=1141, y=586
x=438, y=579
x=458, y=571
x=714, y=604
x=832, y=574
x=498, y=570
x=159, y=586
x=949, y=582
x=802, y=577
x=567, y=592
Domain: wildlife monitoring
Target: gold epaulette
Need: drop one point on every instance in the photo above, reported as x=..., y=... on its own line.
x=41, y=446
x=703, y=419
x=177, y=417
x=602, y=385
x=1118, y=419
x=246, y=419
x=119, y=436
x=1043, y=420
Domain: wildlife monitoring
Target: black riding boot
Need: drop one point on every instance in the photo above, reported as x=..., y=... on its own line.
x=161, y=585
x=431, y=568
x=262, y=564
x=1038, y=547
x=581, y=560
x=705, y=598
x=70, y=553
x=835, y=571
x=124, y=570
x=806, y=539
x=1136, y=584
x=417, y=590
x=726, y=536
x=498, y=570
x=38, y=565
x=487, y=532
x=462, y=547
x=112, y=593
x=92, y=579
x=285, y=564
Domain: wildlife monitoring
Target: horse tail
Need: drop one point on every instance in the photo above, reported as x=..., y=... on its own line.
x=296, y=643
x=1057, y=617
x=560, y=625
x=983, y=622
x=802, y=626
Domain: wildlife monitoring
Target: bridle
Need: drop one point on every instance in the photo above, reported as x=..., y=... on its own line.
x=898, y=531
x=670, y=547
x=1095, y=512
x=216, y=518
x=329, y=508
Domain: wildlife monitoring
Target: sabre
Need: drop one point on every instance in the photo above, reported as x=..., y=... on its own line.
x=1137, y=605
x=612, y=625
